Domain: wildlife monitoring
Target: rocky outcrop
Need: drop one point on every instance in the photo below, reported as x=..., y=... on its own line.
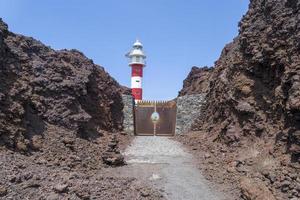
x=251, y=118
x=39, y=85
x=59, y=110
x=254, y=88
x=197, y=81
x=125, y=90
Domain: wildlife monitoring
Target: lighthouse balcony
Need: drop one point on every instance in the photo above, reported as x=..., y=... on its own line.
x=137, y=63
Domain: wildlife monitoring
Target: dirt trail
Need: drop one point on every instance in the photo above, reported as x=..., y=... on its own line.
x=164, y=164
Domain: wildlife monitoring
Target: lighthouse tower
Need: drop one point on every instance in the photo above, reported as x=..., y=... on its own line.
x=137, y=63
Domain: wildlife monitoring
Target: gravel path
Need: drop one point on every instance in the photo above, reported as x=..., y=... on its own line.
x=164, y=164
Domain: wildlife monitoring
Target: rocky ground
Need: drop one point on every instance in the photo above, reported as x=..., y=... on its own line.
x=249, y=171
x=68, y=168
x=197, y=80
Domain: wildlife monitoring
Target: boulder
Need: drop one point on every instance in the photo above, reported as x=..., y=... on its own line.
x=255, y=190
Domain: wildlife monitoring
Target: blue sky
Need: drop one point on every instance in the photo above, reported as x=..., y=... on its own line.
x=177, y=34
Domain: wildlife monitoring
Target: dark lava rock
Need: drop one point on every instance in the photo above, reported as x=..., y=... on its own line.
x=39, y=85
x=253, y=98
x=3, y=191
x=112, y=155
x=61, y=188
x=113, y=159
x=197, y=81
x=60, y=110
x=255, y=84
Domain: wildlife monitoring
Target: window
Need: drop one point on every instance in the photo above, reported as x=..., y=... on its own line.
x=138, y=59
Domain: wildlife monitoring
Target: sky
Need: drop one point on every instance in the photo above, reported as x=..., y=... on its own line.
x=176, y=34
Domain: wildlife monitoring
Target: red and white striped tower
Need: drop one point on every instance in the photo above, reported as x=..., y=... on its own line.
x=137, y=63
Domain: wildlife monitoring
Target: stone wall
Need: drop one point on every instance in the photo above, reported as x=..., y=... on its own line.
x=128, y=124
x=188, y=109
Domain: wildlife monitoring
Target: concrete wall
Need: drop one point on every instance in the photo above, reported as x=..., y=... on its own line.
x=188, y=109
x=128, y=124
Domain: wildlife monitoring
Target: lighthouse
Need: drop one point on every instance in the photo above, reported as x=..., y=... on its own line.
x=137, y=63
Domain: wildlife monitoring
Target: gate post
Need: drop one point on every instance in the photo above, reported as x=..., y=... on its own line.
x=134, y=120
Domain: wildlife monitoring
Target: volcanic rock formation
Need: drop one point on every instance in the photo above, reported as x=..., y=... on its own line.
x=59, y=115
x=196, y=81
x=39, y=85
x=252, y=113
x=254, y=88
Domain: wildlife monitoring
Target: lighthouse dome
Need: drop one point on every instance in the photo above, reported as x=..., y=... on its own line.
x=137, y=44
x=136, y=55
